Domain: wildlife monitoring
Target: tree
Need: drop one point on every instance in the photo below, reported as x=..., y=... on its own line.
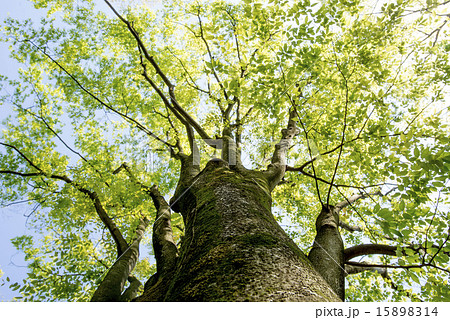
x=329, y=117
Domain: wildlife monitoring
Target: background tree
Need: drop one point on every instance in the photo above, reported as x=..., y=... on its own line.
x=330, y=118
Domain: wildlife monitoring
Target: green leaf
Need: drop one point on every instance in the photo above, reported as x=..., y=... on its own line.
x=414, y=277
x=385, y=213
x=402, y=205
x=397, y=233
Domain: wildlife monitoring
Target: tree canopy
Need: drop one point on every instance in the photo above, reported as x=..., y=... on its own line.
x=103, y=95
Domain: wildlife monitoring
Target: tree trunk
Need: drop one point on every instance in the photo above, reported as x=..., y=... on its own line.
x=233, y=249
x=327, y=253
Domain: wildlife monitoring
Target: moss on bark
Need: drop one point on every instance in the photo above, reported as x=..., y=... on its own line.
x=233, y=248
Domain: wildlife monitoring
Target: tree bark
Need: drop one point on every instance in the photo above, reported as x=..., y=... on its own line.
x=233, y=249
x=327, y=253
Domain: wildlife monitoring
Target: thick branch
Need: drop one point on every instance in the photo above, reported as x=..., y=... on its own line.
x=109, y=223
x=113, y=284
x=132, y=291
x=412, y=266
x=230, y=152
x=117, y=236
x=372, y=248
x=164, y=246
x=350, y=269
x=190, y=167
x=277, y=168
x=166, y=252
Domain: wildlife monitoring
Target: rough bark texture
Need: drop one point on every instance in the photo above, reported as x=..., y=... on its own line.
x=327, y=254
x=233, y=249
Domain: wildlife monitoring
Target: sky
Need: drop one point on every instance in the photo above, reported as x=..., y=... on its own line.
x=13, y=220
